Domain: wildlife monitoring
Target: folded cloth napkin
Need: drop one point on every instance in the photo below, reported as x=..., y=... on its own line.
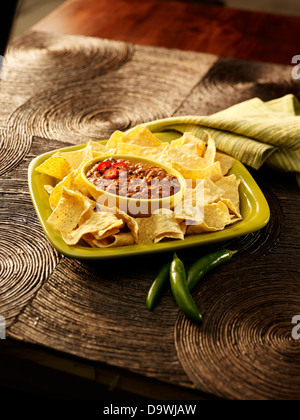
x=254, y=132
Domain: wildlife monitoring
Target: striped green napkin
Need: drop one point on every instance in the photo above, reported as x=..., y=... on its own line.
x=254, y=132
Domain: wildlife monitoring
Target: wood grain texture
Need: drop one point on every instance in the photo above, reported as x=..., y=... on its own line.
x=231, y=81
x=98, y=105
x=26, y=257
x=46, y=63
x=96, y=311
x=14, y=147
x=185, y=25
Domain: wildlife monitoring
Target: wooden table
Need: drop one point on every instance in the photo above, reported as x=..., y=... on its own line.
x=31, y=358
x=185, y=25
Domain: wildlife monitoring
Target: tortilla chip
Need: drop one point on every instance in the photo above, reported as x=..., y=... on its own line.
x=194, y=153
x=115, y=139
x=89, y=209
x=142, y=136
x=146, y=235
x=109, y=232
x=232, y=208
x=70, y=209
x=211, y=192
x=213, y=172
x=216, y=217
x=49, y=188
x=190, y=138
x=195, y=207
x=234, y=219
x=159, y=226
x=190, y=211
x=66, y=167
x=183, y=155
x=230, y=185
x=56, y=166
x=81, y=185
x=129, y=149
x=153, y=153
x=210, y=152
x=97, y=147
x=56, y=192
x=98, y=223
x=113, y=241
x=226, y=162
x=89, y=238
x=75, y=158
x=129, y=221
x=79, y=182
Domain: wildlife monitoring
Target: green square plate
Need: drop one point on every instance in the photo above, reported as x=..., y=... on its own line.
x=254, y=208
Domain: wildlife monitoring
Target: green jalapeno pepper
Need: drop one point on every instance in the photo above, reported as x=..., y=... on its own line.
x=181, y=292
x=181, y=283
x=206, y=264
x=159, y=284
x=211, y=261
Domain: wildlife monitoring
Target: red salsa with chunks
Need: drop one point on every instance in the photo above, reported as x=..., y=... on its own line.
x=133, y=180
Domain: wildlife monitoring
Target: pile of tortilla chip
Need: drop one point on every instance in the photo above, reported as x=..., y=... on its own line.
x=211, y=200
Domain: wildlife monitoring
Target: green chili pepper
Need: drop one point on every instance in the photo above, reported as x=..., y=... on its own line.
x=181, y=292
x=206, y=264
x=211, y=261
x=159, y=284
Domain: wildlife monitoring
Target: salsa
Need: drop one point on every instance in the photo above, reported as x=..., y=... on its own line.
x=133, y=180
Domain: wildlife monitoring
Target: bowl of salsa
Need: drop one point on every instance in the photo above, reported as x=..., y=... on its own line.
x=135, y=185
